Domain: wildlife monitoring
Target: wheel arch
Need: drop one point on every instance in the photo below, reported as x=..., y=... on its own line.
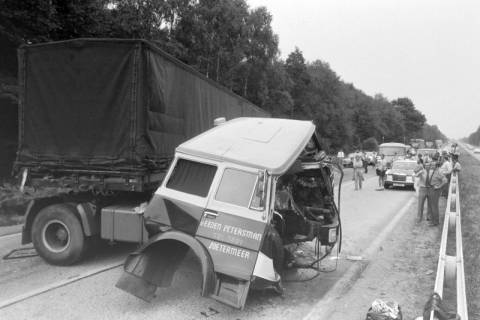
x=153, y=276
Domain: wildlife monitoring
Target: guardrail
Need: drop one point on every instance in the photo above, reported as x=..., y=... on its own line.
x=450, y=270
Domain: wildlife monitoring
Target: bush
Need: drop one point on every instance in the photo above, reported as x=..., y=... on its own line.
x=370, y=144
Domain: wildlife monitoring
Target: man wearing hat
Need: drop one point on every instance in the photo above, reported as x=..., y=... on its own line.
x=446, y=170
x=434, y=181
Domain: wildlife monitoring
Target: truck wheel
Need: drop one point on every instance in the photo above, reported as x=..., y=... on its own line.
x=57, y=235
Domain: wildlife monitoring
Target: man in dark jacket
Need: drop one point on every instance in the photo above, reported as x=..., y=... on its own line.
x=434, y=182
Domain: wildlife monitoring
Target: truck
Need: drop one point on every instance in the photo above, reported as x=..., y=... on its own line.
x=393, y=151
x=124, y=133
x=429, y=144
x=99, y=120
x=438, y=143
x=417, y=143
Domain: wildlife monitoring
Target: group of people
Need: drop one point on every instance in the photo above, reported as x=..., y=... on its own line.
x=360, y=166
x=433, y=179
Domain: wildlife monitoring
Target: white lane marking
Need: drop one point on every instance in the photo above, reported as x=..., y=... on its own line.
x=325, y=306
x=8, y=236
x=58, y=284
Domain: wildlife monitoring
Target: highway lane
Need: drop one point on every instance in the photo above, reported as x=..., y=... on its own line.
x=18, y=276
x=365, y=213
x=466, y=149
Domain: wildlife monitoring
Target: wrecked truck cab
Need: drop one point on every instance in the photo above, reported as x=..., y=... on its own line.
x=235, y=196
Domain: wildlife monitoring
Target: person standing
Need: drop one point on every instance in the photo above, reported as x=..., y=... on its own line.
x=340, y=156
x=381, y=169
x=421, y=175
x=456, y=167
x=358, y=171
x=365, y=161
x=420, y=159
x=434, y=181
x=446, y=170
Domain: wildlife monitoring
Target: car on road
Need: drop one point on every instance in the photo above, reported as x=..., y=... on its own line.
x=371, y=157
x=476, y=150
x=401, y=174
x=347, y=162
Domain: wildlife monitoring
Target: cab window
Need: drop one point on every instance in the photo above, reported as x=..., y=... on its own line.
x=192, y=177
x=236, y=187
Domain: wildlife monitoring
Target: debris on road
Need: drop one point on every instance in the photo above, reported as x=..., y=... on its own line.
x=21, y=253
x=384, y=310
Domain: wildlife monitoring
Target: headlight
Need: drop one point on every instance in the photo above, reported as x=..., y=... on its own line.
x=389, y=177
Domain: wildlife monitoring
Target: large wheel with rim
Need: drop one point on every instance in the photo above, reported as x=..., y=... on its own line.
x=57, y=235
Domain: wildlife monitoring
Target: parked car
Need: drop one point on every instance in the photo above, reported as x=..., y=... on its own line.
x=371, y=158
x=476, y=150
x=347, y=162
x=401, y=174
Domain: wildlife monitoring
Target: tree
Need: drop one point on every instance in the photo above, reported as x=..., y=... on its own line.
x=297, y=70
x=279, y=101
x=370, y=144
x=413, y=119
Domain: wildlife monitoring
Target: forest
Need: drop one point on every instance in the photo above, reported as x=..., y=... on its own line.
x=473, y=138
x=229, y=42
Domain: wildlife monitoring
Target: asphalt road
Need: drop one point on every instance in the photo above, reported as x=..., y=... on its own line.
x=364, y=214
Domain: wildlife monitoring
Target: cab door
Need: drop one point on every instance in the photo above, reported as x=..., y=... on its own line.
x=232, y=229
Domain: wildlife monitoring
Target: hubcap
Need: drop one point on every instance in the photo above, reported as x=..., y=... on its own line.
x=56, y=236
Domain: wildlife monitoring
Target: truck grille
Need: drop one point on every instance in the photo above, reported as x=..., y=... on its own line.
x=397, y=177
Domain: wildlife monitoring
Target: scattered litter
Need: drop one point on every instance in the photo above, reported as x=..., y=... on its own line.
x=429, y=272
x=384, y=310
x=21, y=253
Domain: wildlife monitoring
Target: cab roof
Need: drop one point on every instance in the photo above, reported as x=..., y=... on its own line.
x=263, y=143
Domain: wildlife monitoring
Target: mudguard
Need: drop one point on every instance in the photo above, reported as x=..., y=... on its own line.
x=155, y=263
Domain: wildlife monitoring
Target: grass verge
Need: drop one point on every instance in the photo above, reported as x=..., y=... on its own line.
x=469, y=200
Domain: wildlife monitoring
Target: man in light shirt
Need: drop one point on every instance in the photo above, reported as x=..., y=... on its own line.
x=446, y=170
x=421, y=175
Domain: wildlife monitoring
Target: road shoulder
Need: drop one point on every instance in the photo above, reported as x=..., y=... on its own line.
x=401, y=267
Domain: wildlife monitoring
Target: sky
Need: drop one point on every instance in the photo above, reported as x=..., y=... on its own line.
x=428, y=51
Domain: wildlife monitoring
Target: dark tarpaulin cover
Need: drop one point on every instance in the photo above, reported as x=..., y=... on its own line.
x=110, y=103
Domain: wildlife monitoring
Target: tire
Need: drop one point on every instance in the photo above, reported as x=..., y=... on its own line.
x=57, y=235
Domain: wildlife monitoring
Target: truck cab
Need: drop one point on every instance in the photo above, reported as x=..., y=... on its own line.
x=236, y=195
